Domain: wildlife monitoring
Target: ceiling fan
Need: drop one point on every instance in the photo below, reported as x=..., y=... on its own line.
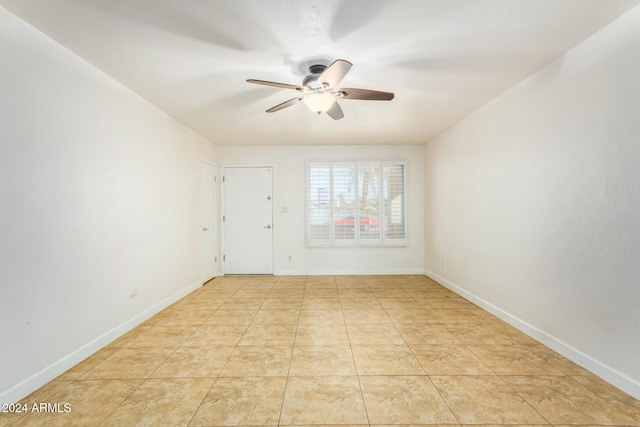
x=319, y=91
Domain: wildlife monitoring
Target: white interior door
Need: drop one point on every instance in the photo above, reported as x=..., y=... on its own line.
x=209, y=219
x=248, y=220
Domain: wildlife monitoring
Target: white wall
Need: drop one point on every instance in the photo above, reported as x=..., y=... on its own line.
x=289, y=239
x=99, y=196
x=533, y=204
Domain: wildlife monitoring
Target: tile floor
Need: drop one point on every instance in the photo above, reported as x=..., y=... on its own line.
x=329, y=350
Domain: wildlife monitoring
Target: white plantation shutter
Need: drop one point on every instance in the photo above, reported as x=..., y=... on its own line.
x=318, y=209
x=358, y=203
x=369, y=203
x=394, y=203
x=344, y=203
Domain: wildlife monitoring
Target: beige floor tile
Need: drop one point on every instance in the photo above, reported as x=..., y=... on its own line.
x=157, y=318
x=185, y=317
x=353, y=285
x=310, y=303
x=359, y=292
x=130, y=363
x=215, y=293
x=10, y=415
x=366, y=316
x=161, y=402
x=227, y=287
x=407, y=302
x=391, y=293
x=401, y=316
x=129, y=336
x=565, y=365
x=242, y=402
x=258, y=361
x=320, y=282
x=262, y=280
x=503, y=329
x=322, y=334
x=46, y=392
x=455, y=315
x=216, y=335
x=449, y=360
x=193, y=362
x=269, y=335
x=386, y=360
x=320, y=316
x=431, y=333
x=251, y=293
x=481, y=334
x=237, y=317
x=514, y=360
x=201, y=303
x=614, y=396
x=320, y=292
x=374, y=335
x=436, y=301
x=563, y=400
x=234, y=303
x=404, y=400
x=276, y=316
x=485, y=400
x=9, y=418
x=282, y=303
x=286, y=293
x=174, y=335
x=289, y=285
x=421, y=291
x=360, y=303
x=89, y=363
x=323, y=400
x=313, y=360
x=90, y=402
x=332, y=338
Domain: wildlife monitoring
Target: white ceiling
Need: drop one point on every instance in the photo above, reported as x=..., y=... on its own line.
x=443, y=59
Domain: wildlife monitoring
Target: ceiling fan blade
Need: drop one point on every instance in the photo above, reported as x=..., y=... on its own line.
x=335, y=72
x=366, y=94
x=274, y=84
x=285, y=104
x=335, y=112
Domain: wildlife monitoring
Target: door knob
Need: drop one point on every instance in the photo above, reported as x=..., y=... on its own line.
x=205, y=229
x=267, y=226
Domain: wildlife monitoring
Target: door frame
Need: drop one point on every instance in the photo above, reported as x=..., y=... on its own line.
x=215, y=222
x=221, y=264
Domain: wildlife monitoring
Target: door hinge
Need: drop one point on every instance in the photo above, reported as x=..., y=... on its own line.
x=222, y=178
x=224, y=257
x=215, y=259
x=215, y=179
x=223, y=218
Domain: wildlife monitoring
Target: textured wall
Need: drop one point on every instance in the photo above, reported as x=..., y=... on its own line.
x=99, y=201
x=532, y=204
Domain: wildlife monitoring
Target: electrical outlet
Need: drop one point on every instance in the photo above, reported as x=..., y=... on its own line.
x=135, y=293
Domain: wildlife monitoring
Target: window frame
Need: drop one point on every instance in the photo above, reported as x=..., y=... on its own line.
x=361, y=238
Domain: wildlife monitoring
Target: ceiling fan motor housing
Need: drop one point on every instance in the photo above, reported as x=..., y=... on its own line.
x=310, y=81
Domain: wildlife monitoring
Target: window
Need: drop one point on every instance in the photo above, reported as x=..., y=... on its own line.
x=356, y=203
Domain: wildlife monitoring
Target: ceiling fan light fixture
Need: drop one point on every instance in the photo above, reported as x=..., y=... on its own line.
x=320, y=92
x=319, y=102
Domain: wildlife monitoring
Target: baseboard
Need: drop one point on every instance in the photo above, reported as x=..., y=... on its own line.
x=349, y=272
x=37, y=380
x=607, y=373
